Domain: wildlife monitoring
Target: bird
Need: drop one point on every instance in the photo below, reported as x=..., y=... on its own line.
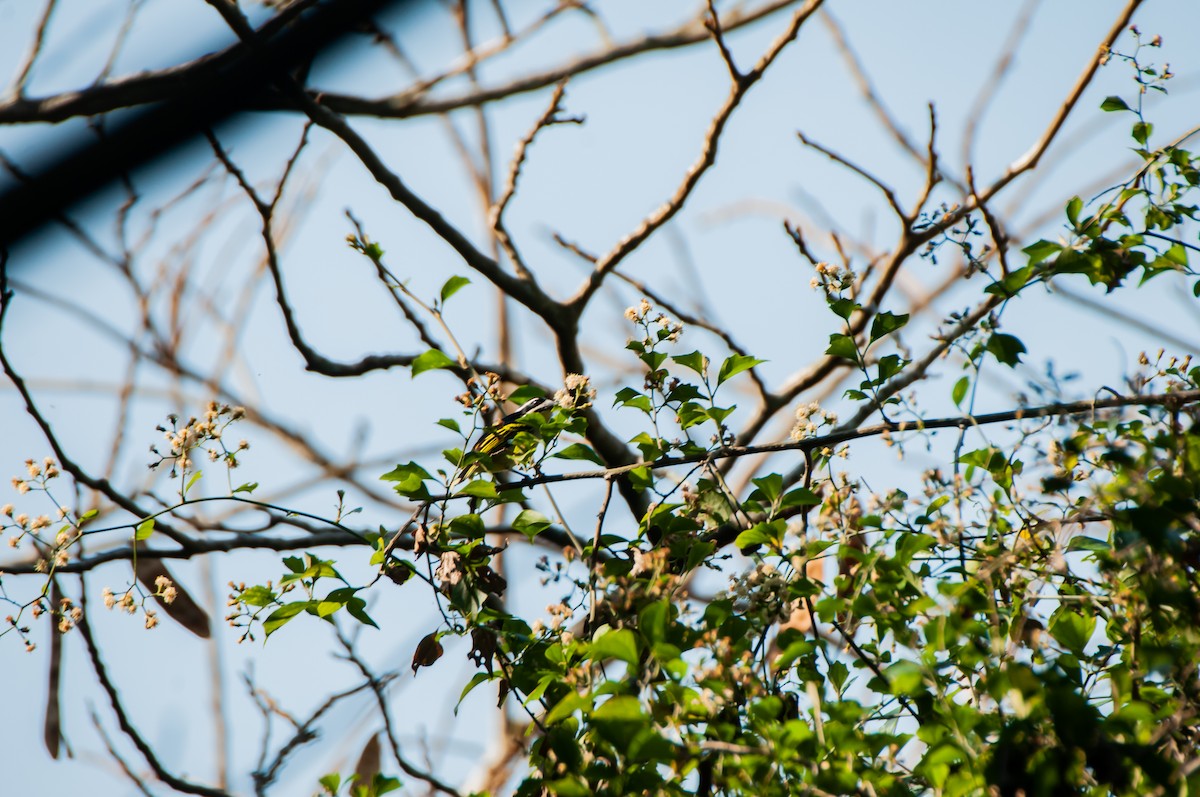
x=496, y=439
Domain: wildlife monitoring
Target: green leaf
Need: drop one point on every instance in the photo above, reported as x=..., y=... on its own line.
x=1142, y=132
x=144, y=529
x=685, y=391
x=628, y=397
x=531, y=523
x=842, y=346
x=760, y=534
x=525, y=393
x=409, y=479
x=451, y=424
x=248, y=487
x=383, y=784
x=281, y=616
x=990, y=458
x=960, y=390
x=1073, y=209
x=889, y=366
x=403, y=472
x=192, y=481
x=579, y=451
x=452, y=286
x=844, y=308
x=573, y=701
x=654, y=619
x=653, y=359
x=886, y=323
x=257, y=595
x=642, y=478
x=475, y=681
x=480, y=488
x=1082, y=543
x=1072, y=630
x=431, y=360
x=356, y=607
x=619, y=644
x=650, y=447
x=838, y=672
x=1041, y=250
x=905, y=677
x=801, y=496
x=469, y=526
x=1113, y=104
x=690, y=414
x=771, y=486
x=620, y=721
x=719, y=414
x=695, y=361
x=1012, y=284
x=735, y=364
x=1006, y=348
x=1177, y=254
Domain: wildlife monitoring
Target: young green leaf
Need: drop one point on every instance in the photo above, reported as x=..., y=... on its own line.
x=1113, y=104
x=1073, y=209
x=452, y=286
x=281, y=616
x=960, y=390
x=1177, y=254
x=735, y=364
x=430, y=361
x=1142, y=132
x=144, y=529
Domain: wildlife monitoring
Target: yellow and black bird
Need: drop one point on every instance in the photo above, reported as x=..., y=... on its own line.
x=497, y=439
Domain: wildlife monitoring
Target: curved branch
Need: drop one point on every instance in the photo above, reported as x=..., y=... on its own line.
x=742, y=83
x=176, y=783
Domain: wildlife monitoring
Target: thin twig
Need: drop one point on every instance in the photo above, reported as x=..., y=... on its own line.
x=39, y=40
x=496, y=214
x=143, y=747
x=705, y=161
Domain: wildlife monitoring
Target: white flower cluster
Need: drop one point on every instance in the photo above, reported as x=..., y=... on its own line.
x=833, y=279
x=577, y=393
x=201, y=435
x=640, y=314
x=810, y=418
x=764, y=587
